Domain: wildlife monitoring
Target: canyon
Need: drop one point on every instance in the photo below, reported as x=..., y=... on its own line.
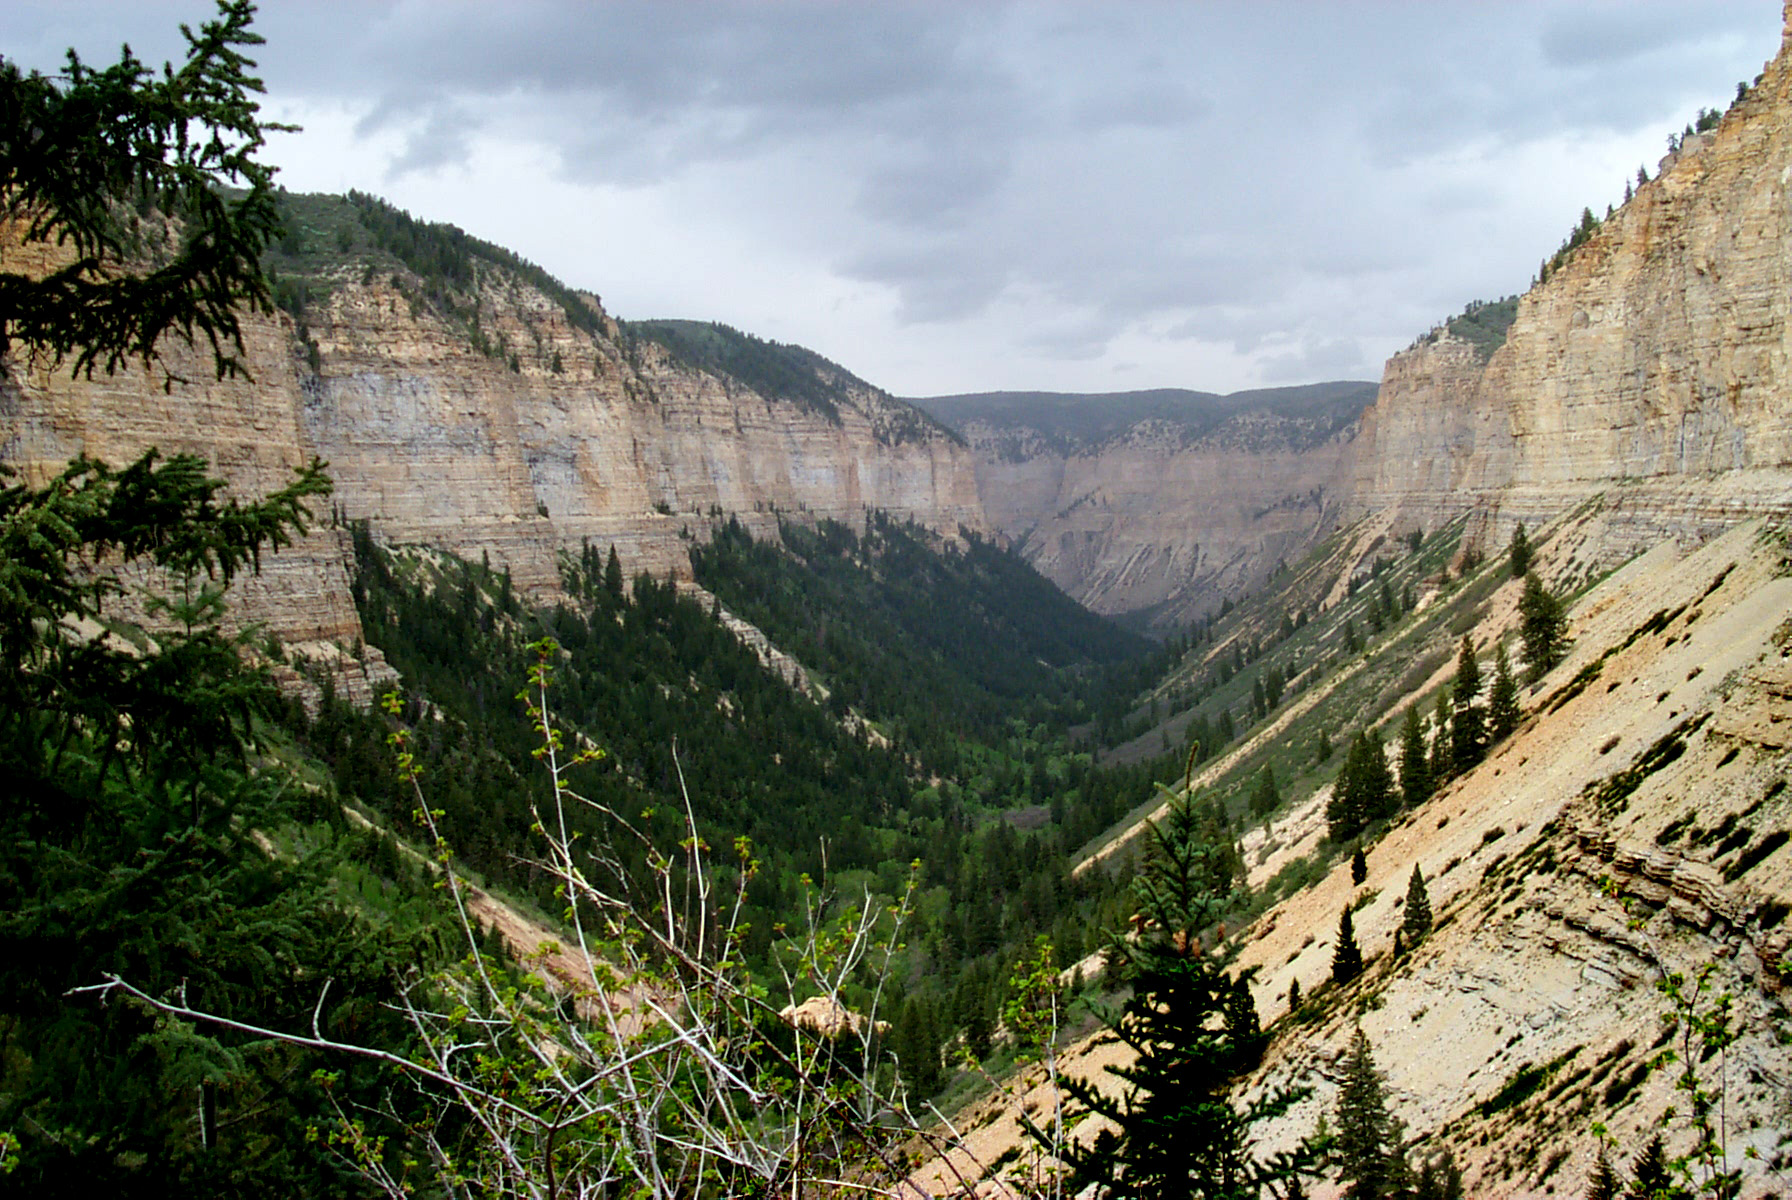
x=1636, y=414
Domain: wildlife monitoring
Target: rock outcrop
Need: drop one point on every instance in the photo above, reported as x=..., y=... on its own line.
x=1162, y=517
x=586, y=437
x=1650, y=367
x=435, y=442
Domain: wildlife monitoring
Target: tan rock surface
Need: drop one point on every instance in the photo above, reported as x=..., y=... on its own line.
x=1651, y=366
x=434, y=443
x=1557, y=915
x=1152, y=522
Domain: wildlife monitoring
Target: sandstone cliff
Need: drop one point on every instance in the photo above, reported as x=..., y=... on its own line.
x=1651, y=366
x=576, y=435
x=1158, y=510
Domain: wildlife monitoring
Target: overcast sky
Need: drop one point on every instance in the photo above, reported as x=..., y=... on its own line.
x=943, y=197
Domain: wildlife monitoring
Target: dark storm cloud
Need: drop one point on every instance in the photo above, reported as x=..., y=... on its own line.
x=1306, y=183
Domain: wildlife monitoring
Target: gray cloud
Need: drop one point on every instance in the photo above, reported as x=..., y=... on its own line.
x=1296, y=185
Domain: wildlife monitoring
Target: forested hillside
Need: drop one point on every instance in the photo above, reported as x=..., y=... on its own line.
x=957, y=676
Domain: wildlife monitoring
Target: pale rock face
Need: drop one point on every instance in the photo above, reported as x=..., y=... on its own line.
x=435, y=442
x=1151, y=522
x=432, y=442
x=1651, y=364
x=249, y=431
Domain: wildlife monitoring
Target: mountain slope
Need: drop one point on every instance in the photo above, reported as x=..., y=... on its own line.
x=466, y=399
x=1635, y=825
x=1650, y=366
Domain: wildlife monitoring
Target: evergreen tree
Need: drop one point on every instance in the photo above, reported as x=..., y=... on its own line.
x=1468, y=720
x=1347, y=957
x=110, y=144
x=613, y=582
x=1502, y=698
x=1519, y=553
x=1543, y=628
x=1416, y=922
x=1193, y=1031
x=1264, y=796
x=1359, y=866
x=1650, y=1176
x=1603, y=1183
x=1364, y=1145
x=1363, y=790
x=1415, y=768
x=916, y=1042
x=1442, y=761
x=1294, y=995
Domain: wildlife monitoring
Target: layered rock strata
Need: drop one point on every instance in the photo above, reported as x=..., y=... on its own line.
x=581, y=438
x=1650, y=367
x=1157, y=524
x=437, y=443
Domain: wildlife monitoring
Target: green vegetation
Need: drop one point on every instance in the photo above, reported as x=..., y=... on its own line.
x=125, y=170
x=153, y=825
x=780, y=372
x=1193, y=1029
x=652, y=671
x=144, y=786
x=987, y=647
x=1483, y=324
x=1347, y=956
x=1364, y=790
x=1415, y=919
x=1543, y=628
x=1519, y=552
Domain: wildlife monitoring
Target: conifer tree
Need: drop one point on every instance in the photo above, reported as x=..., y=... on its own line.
x=1293, y=995
x=1364, y=1146
x=1468, y=721
x=1442, y=762
x=1359, y=866
x=1416, y=922
x=1502, y=697
x=613, y=582
x=1519, y=553
x=1415, y=768
x=1543, y=628
x=1264, y=795
x=1193, y=1030
x=1347, y=957
x=1603, y=1183
x=107, y=145
x=1649, y=1172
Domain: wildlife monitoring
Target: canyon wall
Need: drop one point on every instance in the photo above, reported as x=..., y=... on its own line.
x=1155, y=524
x=435, y=442
x=581, y=436
x=1649, y=368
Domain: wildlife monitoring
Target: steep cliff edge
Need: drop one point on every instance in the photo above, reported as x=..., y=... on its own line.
x=1156, y=505
x=481, y=420
x=436, y=442
x=1649, y=367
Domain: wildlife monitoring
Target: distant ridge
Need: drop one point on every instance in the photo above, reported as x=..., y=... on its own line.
x=1077, y=420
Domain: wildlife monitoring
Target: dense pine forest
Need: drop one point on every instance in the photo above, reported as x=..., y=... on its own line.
x=955, y=752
